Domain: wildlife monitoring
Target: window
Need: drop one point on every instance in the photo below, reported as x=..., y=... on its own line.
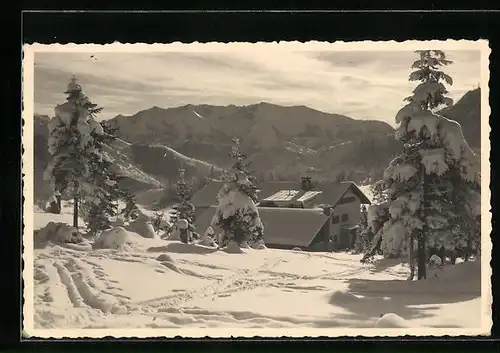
x=348, y=199
x=335, y=219
x=345, y=217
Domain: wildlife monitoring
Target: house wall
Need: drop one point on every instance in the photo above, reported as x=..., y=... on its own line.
x=284, y=247
x=352, y=209
x=321, y=241
x=323, y=234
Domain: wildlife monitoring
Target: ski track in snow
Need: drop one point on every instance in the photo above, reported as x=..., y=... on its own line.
x=74, y=288
x=82, y=284
x=239, y=281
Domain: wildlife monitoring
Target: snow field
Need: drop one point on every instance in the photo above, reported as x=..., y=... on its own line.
x=167, y=284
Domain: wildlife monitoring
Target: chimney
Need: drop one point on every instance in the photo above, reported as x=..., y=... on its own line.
x=327, y=210
x=306, y=183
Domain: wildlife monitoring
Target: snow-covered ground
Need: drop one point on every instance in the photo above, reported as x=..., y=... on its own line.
x=154, y=283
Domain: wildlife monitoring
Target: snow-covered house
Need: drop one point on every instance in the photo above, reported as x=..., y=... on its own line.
x=297, y=214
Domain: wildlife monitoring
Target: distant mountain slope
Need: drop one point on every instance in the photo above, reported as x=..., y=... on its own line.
x=280, y=141
x=132, y=177
x=41, y=156
x=264, y=126
x=140, y=166
x=467, y=112
x=164, y=162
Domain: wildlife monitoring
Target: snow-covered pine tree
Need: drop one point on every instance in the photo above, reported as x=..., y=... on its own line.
x=435, y=166
x=211, y=173
x=240, y=160
x=130, y=212
x=184, y=209
x=71, y=145
x=363, y=233
x=157, y=219
x=377, y=217
x=103, y=206
x=107, y=191
x=237, y=214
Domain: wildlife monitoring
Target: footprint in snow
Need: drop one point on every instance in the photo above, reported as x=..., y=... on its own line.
x=114, y=288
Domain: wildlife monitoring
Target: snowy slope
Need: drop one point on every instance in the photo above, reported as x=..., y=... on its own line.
x=133, y=177
x=166, y=284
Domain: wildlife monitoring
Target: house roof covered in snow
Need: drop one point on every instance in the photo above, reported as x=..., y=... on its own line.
x=282, y=226
x=329, y=194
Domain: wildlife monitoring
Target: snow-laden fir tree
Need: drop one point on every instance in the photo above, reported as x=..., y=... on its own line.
x=435, y=170
x=71, y=144
x=363, y=234
x=211, y=174
x=184, y=209
x=157, y=219
x=130, y=211
x=103, y=205
x=237, y=214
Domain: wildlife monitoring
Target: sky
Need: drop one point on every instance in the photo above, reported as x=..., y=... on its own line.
x=358, y=84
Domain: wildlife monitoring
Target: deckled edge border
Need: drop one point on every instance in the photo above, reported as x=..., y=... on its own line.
x=486, y=271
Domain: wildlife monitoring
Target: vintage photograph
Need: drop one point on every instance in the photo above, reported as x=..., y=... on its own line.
x=266, y=189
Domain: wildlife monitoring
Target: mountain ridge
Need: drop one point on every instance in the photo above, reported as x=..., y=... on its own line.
x=467, y=112
x=135, y=174
x=274, y=137
x=282, y=142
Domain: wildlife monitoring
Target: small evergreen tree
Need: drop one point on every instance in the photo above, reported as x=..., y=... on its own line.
x=157, y=219
x=239, y=159
x=363, y=235
x=211, y=173
x=184, y=209
x=436, y=163
x=130, y=211
x=237, y=214
x=103, y=205
x=341, y=176
x=377, y=217
x=71, y=144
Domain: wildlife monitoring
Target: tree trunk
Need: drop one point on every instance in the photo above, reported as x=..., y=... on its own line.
x=75, y=212
x=421, y=246
x=422, y=270
x=411, y=260
x=58, y=199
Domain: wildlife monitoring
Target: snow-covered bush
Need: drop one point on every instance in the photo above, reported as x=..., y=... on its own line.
x=117, y=238
x=141, y=225
x=56, y=233
x=391, y=320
